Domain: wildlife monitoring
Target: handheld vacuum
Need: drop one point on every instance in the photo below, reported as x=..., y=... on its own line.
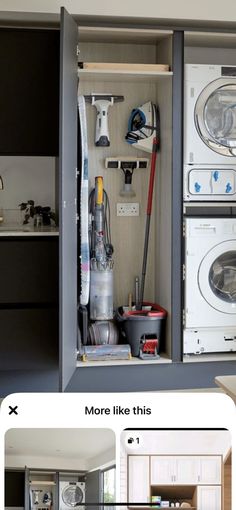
x=102, y=103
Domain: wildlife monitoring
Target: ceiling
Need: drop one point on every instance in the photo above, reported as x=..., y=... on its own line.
x=73, y=443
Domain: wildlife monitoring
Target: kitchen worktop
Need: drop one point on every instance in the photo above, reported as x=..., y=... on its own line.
x=27, y=231
x=228, y=384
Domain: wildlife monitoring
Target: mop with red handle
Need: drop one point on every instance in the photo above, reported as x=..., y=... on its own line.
x=155, y=148
x=144, y=134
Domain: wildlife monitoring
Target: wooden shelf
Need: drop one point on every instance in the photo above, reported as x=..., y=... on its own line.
x=164, y=359
x=123, y=76
x=42, y=482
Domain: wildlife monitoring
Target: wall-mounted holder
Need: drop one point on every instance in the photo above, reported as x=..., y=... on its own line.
x=127, y=165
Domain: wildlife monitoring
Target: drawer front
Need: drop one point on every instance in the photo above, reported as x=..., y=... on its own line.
x=29, y=339
x=29, y=270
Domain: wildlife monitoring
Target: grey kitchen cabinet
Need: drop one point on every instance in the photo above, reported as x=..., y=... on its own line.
x=14, y=488
x=29, y=303
x=29, y=270
x=68, y=198
x=29, y=338
x=29, y=91
x=175, y=374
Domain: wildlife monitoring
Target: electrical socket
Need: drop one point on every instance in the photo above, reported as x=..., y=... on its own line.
x=127, y=209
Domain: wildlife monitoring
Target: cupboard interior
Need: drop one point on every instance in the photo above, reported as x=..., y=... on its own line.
x=133, y=46
x=180, y=493
x=41, y=483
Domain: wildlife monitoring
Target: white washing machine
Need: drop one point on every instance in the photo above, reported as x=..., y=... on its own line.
x=72, y=495
x=210, y=285
x=209, y=132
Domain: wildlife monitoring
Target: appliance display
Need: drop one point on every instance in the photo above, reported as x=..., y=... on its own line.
x=72, y=495
x=209, y=133
x=210, y=114
x=210, y=285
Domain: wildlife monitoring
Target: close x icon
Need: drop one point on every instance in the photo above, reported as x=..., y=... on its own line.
x=13, y=410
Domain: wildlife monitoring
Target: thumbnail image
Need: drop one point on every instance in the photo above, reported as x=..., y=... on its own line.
x=176, y=469
x=59, y=469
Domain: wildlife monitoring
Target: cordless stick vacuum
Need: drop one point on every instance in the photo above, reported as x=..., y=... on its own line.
x=102, y=103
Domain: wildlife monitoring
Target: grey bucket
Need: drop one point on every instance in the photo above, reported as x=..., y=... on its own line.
x=136, y=327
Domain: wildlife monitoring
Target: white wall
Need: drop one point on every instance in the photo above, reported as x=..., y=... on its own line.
x=57, y=462
x=27, y=178
x=61, y=462
x=181, y=10
x=106, y=458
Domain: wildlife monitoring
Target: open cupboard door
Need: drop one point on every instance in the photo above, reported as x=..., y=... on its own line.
x=68, y=197
x=94, y=489
x=27, y=491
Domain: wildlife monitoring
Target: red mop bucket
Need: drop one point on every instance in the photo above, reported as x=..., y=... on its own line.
x=136, y=325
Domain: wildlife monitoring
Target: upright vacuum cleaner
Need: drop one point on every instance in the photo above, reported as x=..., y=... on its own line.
x=101, y=265
x=103, y=333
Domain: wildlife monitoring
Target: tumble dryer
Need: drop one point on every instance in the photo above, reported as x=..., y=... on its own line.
x=72, y=495
x=209, y=132
x=210, y=285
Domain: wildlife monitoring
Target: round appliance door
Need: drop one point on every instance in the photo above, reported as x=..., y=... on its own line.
x=72, y=495
x=217, y=277
x=215, y=116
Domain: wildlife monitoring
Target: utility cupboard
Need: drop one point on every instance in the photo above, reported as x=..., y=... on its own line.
x=133, y=44
x=192, y=478
x=21, y=485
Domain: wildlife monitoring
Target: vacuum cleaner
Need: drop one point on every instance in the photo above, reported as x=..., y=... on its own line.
x=102, y=333
x=101, y=262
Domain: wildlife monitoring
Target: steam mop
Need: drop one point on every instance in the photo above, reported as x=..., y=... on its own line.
x=102, y=103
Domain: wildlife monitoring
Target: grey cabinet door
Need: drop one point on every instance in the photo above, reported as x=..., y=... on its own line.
x=68, y=197
x=27, y=489
x=93, y=492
